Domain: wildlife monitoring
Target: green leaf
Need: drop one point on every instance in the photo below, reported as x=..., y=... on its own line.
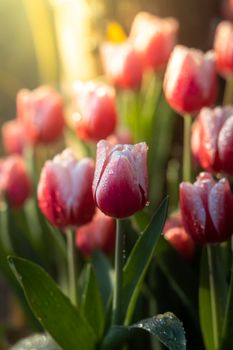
x=36, y=342
x=167, y=328
x=216, y=273
x=52, y=308
x=227, y=338
x=103, y=272
x=91, y=304
x=139, y=261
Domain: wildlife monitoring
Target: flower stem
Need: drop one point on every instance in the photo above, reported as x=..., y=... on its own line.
x=116, y=308
x=228, y=93
x=187, y=148
x=213, y=294
x=72, y=266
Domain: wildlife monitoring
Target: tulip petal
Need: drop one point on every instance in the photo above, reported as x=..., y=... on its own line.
x=225, y=145
x=193, y=211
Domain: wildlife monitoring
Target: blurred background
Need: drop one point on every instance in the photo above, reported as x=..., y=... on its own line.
x=57, y=41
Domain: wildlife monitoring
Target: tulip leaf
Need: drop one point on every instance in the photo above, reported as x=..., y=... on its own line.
x=52, y=308
x=103, y=272
x=139, y=261
x=166, y=327
x=227, y=338
x=92, y=305
x=36, y=342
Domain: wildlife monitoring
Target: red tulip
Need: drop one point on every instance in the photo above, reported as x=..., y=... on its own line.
x=153, y=38
x=97, y=234
x=97, y=115
x=65, y=190
x=13, y=137
x=190, y=81
x=223, y=46
x=176, y=235
x=41, y=113
x=14, y=180
x=207, y=209
x=212, y=139
x=120, y=186
x=122, y=65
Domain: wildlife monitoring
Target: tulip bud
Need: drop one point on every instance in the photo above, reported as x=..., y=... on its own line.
x=120, y=186
x=207, y=209
x=122, y=65
x=176, y=235
x=13, y=137
x=14, y=180
x=64, y=190
x=41, y=113
x=190, y=81
x=97, y=234
x=97, y=116
x=212, y=139
x=223, y=46
x=153, y=38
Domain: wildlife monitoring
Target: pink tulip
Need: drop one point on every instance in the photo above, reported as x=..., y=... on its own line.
x=207, y=209
x=176, y=235
x=41, y=113
x=13, y=137
x=122, y=65
x=153, y=38
x=96, y=115
x=190, y=81
x=223, y=46
x=212, y=139
x=97, y=234
x=65, y=190
x=14, y=180
x=120, y=186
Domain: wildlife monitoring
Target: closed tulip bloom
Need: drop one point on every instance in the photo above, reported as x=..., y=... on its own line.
x=96, y=115
x=120, y=186
x=207, y=209
x=223, y=46
x=212, y=139
x=190, y=81
x=122, y=65
x=98, y=234
x=13, y=137
x=176, y=235
x=154, y=38
x=14, y=180
x=65, y=190
x=40, y=111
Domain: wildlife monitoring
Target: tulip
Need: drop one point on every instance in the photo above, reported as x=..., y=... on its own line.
x=212, y=139
x=41, y=113
x=123, y=137
x=153, y=38
x=14, y=180
x=97, y=115
x=97, y=234
x=207, y=209
x=176, y=235
x=190, y=81
x=223, y=46
x=65, y=190
x=122, y=65
x=120, y=186
x=13, y=137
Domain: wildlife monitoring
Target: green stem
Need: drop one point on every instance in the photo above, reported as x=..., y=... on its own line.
x=72, y=266
x=228, y=93
x=187, y=148
x=212, y=262
x=116, y=308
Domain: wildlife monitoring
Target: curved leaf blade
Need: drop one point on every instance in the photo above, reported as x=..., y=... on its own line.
x=36, y=341
x=139, y=261
x=51, y=307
